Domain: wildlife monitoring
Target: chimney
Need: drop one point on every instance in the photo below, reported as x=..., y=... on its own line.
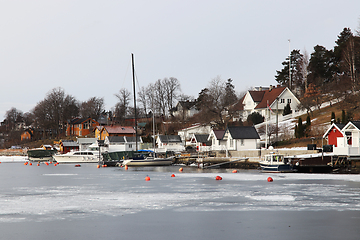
x=270, y=88
x=278, y=85
x=260, y=88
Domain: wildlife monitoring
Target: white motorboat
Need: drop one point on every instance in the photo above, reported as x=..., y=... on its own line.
x=78, y=157
x=276, y=163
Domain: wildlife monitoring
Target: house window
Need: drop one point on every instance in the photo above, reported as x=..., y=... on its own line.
x=282, y=100
x=289, y=100
x=231, y=143
x=242, y=142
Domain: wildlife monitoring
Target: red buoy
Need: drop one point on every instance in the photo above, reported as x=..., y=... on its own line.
x=77, y=165
x=269, y=179
x=38, y=164
x=172, y=175
x=218, y=178
x=126, y=167
x=234, y=171
x=147, y=178
x=181, y=169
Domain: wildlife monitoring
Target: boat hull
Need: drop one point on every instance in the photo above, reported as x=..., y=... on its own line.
x=40, y=159
x=40, y=155
x=276, y=167
x=76, y=159
x=148, y=162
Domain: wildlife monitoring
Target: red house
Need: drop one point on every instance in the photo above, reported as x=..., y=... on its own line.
x=333, y=133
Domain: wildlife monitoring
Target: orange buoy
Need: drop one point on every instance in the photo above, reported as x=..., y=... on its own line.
x=269, y=179
x=46, y=163
x=25, y=163
x=181, y=169
x=172, y=175
x=218, y=178
x=126, y=167
x=147, y=178
x=98, y=166
x=38, y=164
x=30, y=164
x=234, y=171
x=55, y=164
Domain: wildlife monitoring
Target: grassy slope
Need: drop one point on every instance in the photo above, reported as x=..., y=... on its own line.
x=320, y=122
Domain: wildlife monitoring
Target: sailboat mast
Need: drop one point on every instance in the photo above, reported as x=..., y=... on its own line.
x=133, y=73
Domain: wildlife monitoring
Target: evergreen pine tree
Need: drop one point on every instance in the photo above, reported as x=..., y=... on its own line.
x=333, y=119
x=287, y=109
x=343, y=117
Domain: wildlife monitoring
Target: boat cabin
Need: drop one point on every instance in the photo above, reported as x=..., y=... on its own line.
x=275, y=158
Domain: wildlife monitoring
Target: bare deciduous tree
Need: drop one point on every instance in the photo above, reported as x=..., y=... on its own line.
x=92, y=108
x=121, y=108
x=55, y=111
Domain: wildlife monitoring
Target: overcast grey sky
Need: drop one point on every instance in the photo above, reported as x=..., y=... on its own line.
x=85, y=46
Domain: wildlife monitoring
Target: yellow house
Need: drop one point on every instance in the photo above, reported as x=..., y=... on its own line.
x=103, y=131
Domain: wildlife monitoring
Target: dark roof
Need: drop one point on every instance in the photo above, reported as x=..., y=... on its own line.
x=340, y=125
x=356, y=124
x=257, y=96
x=202, y=138
x=243, y=132
x=80, y=120
x=170, y=138
x=219, y=134
x=119, y=139
x=132, y=139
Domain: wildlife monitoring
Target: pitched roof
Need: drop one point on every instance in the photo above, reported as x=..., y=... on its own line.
x=334, y=125
x=69, y=144
x=119, y=129
x=257, y=96
x=269, y=97
x=116, y=139
x=356, y=124
x=80, y=120
x=170, y=138
x=239, y=106
x=243, y=132
x=132, y=139
x=202, y=138
x=219, y=134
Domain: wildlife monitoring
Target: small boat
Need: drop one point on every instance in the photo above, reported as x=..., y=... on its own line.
x=144, y=158
x=78, y=157
x=276, y=163
x=41, y=154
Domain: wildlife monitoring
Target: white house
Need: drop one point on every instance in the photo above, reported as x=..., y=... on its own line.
x=184, y=109
x=350, y=143
x=216, y=139
x=260, y=101
x=121, y=143
x=241, y=138
x=200, y=142
x=169, y=143
x=186, y=133
x=84, y=143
